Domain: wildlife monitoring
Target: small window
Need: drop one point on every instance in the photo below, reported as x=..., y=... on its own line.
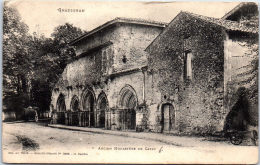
x=124, y=59
x=104, y=61
x=186, y=43
x=188, y=65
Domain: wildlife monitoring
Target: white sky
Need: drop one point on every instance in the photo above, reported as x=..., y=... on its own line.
x=44, y=14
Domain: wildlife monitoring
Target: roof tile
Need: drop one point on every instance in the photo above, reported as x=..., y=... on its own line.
x=229, y=25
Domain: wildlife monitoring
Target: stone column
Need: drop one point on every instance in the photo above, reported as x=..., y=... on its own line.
x=107, y=119
x=66, y=118
x=141, y=120
x=113, y=119
x=97, y=118
x=54, y=117
x=79, y=118
x=70, y=118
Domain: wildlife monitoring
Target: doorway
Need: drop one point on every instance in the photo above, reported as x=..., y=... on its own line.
x=89, y=108
x=168, y=117
x=102, y=108
x=128, y=103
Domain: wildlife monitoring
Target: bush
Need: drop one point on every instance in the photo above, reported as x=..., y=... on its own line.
x=15, y=103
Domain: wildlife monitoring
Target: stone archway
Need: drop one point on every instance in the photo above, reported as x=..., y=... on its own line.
x=102, y=108
x=88, y=105
x=61, y=108
x=74, y=106
x=128, y=104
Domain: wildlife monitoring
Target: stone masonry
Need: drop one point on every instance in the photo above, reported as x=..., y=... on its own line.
x=184, y=77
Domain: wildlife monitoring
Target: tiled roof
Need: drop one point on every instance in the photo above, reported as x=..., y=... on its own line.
x=140, y=21
x=229, y=25
x=120, y=20
x=237, y=8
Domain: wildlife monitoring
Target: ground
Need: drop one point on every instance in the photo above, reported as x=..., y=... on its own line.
x=33, y=138
x=43, y=138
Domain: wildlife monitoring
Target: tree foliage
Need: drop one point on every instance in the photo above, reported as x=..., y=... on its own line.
x=33, y=63
x=62, y=35
x=51, y=59
x=15, y=50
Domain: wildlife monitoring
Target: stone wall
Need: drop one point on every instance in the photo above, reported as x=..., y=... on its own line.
x=97, y=39
x=103, y=71
x=131, y=43
x=134, y=81
x=198, y=104
x=127, y=39
x=77, y=74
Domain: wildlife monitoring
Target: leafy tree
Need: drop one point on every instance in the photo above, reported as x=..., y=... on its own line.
x=62, y=35
x=50, y=58
x=32, y=64
x=15, y=51
x=16, y=62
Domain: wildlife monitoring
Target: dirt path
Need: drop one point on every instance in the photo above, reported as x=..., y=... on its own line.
x=30, y=136
x=39, y=139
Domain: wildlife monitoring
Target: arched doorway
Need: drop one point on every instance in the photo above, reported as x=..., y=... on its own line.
x=102, y=107
x=61, y=108
x=74, y=105
x=128, y=103
x=168, y=117
x=88, y=104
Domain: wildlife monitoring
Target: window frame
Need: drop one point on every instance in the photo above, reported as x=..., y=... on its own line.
x=188, y=76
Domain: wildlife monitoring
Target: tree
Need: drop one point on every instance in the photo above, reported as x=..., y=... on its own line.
x=62, y=35
x=50, y=58
x=15, y=51
x=32, y=64
x=16, y=61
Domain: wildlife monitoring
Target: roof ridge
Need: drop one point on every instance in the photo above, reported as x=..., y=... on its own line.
x=140, y=19
x=225, y=23
x=198, y=15
x=236, y=8
x=115, y=20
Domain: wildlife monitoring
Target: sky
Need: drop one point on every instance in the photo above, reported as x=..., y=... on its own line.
x=42, y=16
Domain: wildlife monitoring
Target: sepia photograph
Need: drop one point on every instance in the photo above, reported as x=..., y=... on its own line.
x=130, y=82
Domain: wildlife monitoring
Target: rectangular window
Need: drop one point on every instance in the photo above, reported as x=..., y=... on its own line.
x=103, y=61
x=188, y=67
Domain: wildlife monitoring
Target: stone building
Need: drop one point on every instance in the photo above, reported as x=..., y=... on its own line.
x=197, y=67
x=104, y=85
x=144, y=75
